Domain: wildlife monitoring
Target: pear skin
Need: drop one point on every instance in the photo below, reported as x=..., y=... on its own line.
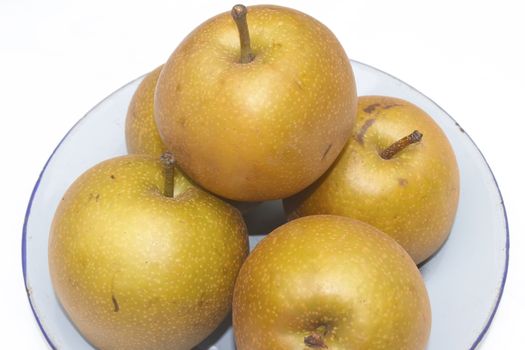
x=135, y=269
x=262, y=129
x=330, y=282
x=142, y=135
x=413, y=196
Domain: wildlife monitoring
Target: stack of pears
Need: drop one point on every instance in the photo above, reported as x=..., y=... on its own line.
x=148, y=250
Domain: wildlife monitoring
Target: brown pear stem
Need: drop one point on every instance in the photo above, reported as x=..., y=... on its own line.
x=401, y=144
x=239, y=16
x=168, y=162
x=315, y=341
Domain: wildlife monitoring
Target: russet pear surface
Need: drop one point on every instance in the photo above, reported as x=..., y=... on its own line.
x=332, y=279
x=264, y=129
x=137, y=270
x=142, y=135
x=412, y=197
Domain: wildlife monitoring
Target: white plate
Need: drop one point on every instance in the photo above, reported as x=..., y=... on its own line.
x=465, y=279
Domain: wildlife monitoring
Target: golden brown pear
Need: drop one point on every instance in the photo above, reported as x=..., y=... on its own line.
x=412, y=196
x=142, y=135
x=266, y=127
x=330, y=282
x=137, y=267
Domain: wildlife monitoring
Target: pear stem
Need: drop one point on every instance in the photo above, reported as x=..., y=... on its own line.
x=401, y=144
x=239, y=16
x=168, y=163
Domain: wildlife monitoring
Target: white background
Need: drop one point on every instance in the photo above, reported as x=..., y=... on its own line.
x=59, y=58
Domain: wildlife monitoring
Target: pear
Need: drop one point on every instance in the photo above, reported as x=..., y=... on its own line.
x=258, y=106
x=397, y=172
x=140, y=258
x=142, y=136
x=330, y=282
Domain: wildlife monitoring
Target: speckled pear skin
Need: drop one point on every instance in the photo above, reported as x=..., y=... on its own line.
x=334, y=276
x=137, y=270
x=412, y=197
x=260, y=130
x=142, y=135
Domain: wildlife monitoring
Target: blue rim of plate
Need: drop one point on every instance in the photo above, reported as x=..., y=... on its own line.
x=507, y=238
